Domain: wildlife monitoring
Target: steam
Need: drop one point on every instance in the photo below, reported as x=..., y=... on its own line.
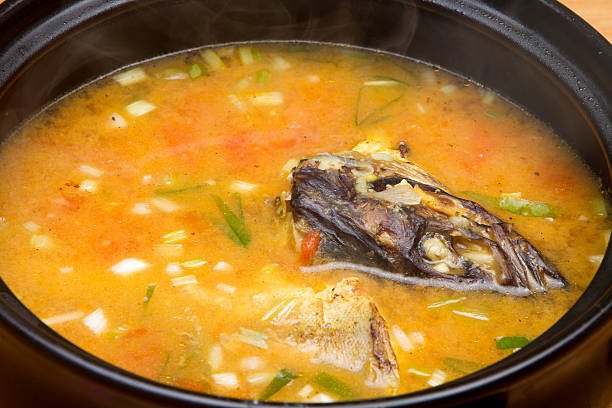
x=133, y=33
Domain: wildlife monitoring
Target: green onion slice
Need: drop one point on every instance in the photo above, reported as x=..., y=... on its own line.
x=234, y=227
x=463, y=366
x=149, y=294
x=511, y=342
x=284, y=377
x=334, y=385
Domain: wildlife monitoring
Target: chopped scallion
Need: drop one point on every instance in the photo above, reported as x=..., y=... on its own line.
x=214, y=62
x=511, y=342
x=334, y=385
x=263, y=76
x=235, y=227
x=368, y=108
x=196, y=71
x=149, y=294
x=463, y=366
x=516, y=205
x=245, y=55
x=284, y=377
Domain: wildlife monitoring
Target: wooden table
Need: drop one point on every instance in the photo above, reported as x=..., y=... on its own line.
x=597, y=13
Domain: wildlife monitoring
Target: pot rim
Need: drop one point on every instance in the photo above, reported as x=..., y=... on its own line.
x=587, y=318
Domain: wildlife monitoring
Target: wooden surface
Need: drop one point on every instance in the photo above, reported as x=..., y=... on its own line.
x=597, y=13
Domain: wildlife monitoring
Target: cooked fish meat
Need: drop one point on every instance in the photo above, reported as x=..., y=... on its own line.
x=341, y=326
x=393, y=219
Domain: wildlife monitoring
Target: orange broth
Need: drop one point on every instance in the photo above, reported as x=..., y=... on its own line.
x=79, y=194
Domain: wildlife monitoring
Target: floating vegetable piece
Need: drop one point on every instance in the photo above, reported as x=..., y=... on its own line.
x=334, y=385
x=263, y=76
x=511, y=342
x=374, y=97
x=463, y=366
x=235, y=227
x=284, y=377
x=196, y=71
x=516, y=205
x=179, y=190
x=149, y=294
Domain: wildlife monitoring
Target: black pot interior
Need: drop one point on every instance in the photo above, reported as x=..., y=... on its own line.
x=559, y=75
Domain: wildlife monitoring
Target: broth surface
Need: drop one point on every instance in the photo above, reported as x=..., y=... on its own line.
x=110, y=232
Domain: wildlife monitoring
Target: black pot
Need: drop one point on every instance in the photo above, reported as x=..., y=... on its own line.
x=536, y=53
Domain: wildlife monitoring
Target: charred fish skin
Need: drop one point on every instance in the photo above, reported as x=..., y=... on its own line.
x=396, y=216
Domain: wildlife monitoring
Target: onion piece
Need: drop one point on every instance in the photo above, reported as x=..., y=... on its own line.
x=90, y=186
x=41, y=241
x=62, y=318
x=246, y=55
x=118, y=121
x=129, y=266
x=448, y=89
x=280, y=64
x=184, y=280
x=267, y=99
x=130, y=77
x=215, y=357
x=141, y=209
x=471, y=315
x=95, y=321
x=227, y=380
x=165, y=205
x=252, y=363
x=229, y=289
x=437, y=377
x=31, y=226
x=238, y=186
x=214, y=62
x=223, y=266
x=140, y=107
x=90, y=170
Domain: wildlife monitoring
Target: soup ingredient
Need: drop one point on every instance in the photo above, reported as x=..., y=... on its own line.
x=511, y=342
x=234, y=226
x=391, y=214
x=341, y=326
x=284, y=377
x=517, y=205
x=463, y=366
x=334, y=385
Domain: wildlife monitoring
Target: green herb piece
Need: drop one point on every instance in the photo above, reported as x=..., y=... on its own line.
x=164, y=367
x=334, y=385
x=235, y=227
x=298, y=48
x=149, y=294
x=178, y=190
x=493, y=114
x=370, y=107
x=284, y=377
x=516, y=205
x=263, y=76
x=196, y=71
x=463, y=366
x=511, y=342
x=256, y=54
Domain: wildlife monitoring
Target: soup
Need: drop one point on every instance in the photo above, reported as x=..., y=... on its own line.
x=147, y=218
